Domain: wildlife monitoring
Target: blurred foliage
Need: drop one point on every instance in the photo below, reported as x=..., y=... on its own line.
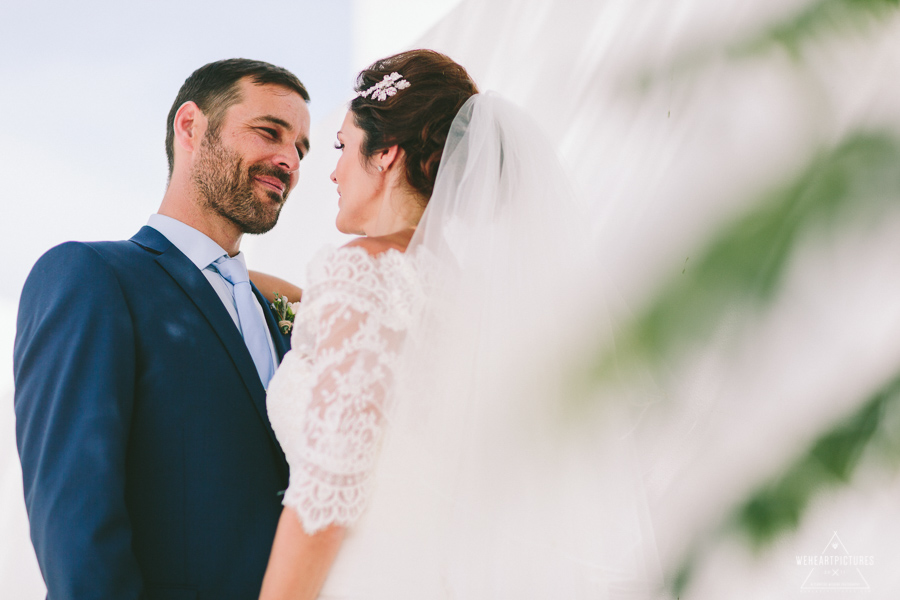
x=823, y=18
x=830, y=461
x=819, y=20
x=739, y=272
x=736, y=276
x=744, y=264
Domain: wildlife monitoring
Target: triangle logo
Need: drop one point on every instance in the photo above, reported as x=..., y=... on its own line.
x=835, y=568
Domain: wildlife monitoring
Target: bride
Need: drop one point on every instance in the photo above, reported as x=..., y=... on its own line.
x=423, y=408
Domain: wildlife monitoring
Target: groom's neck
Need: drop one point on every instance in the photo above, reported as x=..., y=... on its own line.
x=182, y=205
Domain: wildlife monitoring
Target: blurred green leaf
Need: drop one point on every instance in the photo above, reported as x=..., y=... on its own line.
x=745, y=262
x=822, y=19
x=830, y=461
x=819, y=19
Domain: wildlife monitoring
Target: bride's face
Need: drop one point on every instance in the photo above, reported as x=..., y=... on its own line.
x=358, y=184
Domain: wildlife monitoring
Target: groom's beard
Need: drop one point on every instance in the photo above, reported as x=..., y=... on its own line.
x=226, y=187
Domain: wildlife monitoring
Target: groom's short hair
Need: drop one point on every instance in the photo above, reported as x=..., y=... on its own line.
x=214, y=87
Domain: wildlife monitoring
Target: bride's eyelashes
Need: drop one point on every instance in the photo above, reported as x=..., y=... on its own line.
x=338, y=146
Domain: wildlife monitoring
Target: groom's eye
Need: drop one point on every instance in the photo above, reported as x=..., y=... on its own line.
x=270, y=132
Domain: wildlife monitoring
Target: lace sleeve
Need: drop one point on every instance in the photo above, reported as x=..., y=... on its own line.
x=327, y=400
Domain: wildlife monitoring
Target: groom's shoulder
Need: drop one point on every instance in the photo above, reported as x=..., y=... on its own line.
x=85, y=259
x=90, y=252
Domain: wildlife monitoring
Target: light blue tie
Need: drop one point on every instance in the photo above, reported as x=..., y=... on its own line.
x=253, y=326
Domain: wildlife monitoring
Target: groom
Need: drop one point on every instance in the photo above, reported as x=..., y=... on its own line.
x=150, y=468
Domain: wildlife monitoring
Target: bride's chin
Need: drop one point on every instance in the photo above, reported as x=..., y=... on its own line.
x=345, y=228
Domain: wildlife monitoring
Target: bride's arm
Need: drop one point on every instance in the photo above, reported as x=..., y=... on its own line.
x=332, y=455
x=299, y=562
x=269, y=285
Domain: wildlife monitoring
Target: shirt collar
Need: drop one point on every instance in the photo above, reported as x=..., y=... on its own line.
x=198, y=247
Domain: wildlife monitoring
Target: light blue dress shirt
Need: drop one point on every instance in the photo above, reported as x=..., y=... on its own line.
x=202, y=251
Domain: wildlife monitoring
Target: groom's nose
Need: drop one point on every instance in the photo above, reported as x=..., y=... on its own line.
x=288, y=158
x=289, y=162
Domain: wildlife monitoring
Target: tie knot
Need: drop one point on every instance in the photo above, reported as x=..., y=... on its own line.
x=232, y=270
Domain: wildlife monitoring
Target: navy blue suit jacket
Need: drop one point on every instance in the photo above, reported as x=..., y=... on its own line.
x=150, y=468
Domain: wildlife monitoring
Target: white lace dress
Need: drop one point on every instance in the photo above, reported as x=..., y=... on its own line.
x=328, y=403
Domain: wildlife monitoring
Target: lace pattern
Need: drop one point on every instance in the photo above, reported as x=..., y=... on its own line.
x=328, y=399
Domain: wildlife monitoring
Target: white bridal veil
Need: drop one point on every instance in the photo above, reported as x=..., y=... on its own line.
x=516, y=489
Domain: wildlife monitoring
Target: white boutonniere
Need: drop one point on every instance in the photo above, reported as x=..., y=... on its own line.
x=285, y=311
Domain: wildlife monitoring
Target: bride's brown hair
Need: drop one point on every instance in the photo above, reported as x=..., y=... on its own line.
x=416, y=118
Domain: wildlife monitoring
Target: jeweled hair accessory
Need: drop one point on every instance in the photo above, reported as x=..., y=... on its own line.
x=386, y=87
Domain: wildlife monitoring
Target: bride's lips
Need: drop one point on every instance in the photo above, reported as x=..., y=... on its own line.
x=273, y=183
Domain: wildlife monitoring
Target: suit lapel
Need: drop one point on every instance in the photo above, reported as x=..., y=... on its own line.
x=200, y=292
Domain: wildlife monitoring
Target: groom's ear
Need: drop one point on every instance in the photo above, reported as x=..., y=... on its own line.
x=189, y=124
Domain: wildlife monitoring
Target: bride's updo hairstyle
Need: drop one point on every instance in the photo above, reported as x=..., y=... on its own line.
x=416, y=118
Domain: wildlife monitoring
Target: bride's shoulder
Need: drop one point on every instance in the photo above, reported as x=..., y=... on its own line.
x=382, y=255
x=370, y=273
x=365, y=260
x=361, y=251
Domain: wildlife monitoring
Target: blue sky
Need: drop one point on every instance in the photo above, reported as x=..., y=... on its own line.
x=87, y=87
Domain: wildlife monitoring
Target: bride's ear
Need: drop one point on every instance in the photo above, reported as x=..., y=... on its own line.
x=389, y=157
x=188, y=126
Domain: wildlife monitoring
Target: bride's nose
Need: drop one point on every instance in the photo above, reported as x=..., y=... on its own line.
x=333, y=178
